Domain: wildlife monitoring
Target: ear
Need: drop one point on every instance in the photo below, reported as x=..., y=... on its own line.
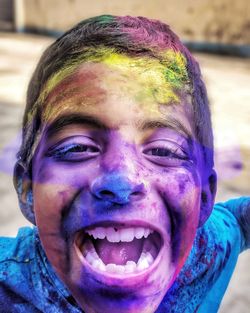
x=23, y=186
x=208, y=197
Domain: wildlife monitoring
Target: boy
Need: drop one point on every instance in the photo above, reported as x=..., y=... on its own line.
x=116, y=172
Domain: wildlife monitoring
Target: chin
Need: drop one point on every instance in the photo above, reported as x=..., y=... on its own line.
x=120, y=267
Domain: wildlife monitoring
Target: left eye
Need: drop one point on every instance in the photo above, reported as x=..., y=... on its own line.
x=80, y=148
x=74, y=152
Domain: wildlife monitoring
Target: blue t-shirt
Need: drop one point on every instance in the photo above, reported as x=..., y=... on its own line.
x=28, y=283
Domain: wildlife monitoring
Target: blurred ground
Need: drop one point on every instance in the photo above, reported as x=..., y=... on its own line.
x=228, y=87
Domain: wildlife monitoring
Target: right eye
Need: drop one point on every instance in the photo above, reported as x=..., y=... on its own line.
x=165, y=153
x=74, y=151
x=161, y=152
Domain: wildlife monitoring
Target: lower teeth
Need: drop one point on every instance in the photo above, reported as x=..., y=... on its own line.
x=145, y=260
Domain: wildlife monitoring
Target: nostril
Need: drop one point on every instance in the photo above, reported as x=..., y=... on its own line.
x=137, y=195
x=138, y=192
x=106, y=194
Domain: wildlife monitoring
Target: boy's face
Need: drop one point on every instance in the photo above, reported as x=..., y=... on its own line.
x=117, y=180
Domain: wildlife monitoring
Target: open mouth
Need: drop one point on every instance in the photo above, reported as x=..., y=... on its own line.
x=119, y=250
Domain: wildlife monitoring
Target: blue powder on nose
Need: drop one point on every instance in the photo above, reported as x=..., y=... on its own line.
x=113, y=188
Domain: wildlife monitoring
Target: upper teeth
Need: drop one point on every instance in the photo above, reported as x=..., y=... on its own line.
x=123, y=234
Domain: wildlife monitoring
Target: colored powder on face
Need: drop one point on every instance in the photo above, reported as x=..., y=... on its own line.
x=151, y=74
x=176, y=70
x=161, y=77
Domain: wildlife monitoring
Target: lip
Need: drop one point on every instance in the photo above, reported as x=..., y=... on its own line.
x=119, y=279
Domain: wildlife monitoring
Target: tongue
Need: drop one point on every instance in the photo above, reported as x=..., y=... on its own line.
x=119, y=252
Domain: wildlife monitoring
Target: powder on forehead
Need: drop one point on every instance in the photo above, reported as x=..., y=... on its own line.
x=169, y=69
x=165, y=77
x=162, y=77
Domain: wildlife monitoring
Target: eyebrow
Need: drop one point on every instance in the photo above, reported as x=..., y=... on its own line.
x=66, y=120
x=168, y=122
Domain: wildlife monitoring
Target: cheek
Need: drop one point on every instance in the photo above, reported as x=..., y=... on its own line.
x=53, y=188
x=180, y=190
x=55, y=184
x=181, y=195
x=49, y=202
x=52, y=173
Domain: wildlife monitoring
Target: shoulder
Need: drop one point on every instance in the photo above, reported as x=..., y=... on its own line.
x=222, y=232
x=233, y=217
x=16, y=260
x=17, y=250
x=239, y=210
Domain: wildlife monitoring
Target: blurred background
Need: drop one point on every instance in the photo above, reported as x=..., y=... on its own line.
x=218, y=33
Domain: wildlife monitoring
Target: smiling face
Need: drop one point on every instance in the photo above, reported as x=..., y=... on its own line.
x=117, y=180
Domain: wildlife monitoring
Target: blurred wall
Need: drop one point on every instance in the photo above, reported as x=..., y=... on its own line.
x=6, y=15
x=213, y=21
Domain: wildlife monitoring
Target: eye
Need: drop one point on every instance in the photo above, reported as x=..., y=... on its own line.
x=74, y=151
x=161, y=152
x=164, y=152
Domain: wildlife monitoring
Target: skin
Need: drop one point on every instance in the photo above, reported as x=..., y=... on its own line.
x=169, y=74
x=163, y=191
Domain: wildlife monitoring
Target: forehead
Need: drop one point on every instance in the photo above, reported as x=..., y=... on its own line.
x=169, y=65
x=151, y=83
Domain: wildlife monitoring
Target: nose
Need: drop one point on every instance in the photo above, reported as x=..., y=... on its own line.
x=117, y=189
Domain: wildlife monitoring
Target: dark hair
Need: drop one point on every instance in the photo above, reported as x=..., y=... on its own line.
x=133, y=36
